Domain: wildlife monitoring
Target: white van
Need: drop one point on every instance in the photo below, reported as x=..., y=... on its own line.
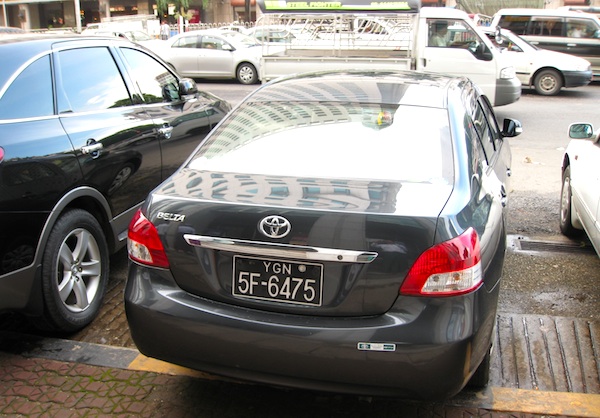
x=463, y=50
x=574, y=33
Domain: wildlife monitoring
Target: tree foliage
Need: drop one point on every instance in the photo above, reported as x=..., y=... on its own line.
x=181, y=5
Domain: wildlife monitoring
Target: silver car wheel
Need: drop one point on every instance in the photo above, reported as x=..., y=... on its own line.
x=75, y=272
x=548, y=83
x=565, y=201
x=246, y=74
x=566, y=206
x=79, y=270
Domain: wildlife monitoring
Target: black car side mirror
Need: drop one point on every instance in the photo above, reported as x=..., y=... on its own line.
x=483, y=53
x=187, y=87
x=511, y=128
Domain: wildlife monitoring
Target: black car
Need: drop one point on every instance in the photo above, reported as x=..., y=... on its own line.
x=339, y=231
x=88, y=126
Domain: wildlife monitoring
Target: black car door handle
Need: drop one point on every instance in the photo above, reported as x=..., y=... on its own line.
x=165, y=131
x=92, y=148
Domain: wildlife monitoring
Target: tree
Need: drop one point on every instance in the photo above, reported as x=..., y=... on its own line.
x=163, y=6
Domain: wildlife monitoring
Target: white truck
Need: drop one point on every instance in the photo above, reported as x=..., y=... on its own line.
x=384, y=35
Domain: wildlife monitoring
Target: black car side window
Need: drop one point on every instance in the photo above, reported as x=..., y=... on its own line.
x=492, y=123
x=88, y=79
x=186, y=42
x=516, y=24
x=154, y=80
x=484, y=132
x=546, y=26
x=35, y=82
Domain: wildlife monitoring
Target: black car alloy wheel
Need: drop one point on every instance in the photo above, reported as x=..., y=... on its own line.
x=74, y=272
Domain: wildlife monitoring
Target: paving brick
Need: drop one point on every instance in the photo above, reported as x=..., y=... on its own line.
x=40, y=383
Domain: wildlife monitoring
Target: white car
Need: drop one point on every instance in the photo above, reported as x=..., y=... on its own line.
x=213, y=53
x=580, y=195
x=235, y=27
x=544, y=70
x=271, y=34
x=136, y=36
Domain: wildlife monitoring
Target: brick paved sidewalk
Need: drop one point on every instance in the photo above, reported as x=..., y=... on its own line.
x=42, y=387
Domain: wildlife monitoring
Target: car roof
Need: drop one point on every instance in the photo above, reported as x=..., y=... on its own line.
x=377, y=87
x=11, y=29
x=546, y=12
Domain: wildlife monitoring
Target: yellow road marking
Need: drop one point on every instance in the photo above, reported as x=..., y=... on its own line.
x=146, y=364
x=542, y=402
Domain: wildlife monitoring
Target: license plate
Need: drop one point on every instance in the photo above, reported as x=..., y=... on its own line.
x=276, y=280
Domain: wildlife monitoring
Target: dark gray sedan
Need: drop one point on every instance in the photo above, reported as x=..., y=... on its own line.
x=340, y=231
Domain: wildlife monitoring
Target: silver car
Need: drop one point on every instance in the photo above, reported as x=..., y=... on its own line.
x=213, y=53
x=339, y=231
x=580, y=196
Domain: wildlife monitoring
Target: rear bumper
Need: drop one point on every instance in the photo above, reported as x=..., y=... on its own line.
x=507, y=91
x=577, y=78
x=421, y=349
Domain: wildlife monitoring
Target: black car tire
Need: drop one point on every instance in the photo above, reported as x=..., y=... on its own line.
x=566, y=206
x=246, y=73
x=76, y=261
x=548, y=82
x=481, y=377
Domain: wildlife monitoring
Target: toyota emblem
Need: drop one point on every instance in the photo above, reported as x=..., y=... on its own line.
x=275, y=226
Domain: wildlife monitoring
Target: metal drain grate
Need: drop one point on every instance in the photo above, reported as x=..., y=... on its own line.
x=556, y=247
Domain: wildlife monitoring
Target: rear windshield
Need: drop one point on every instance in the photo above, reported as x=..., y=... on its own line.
x=332, y=140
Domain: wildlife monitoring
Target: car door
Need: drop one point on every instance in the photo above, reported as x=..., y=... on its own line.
x=181, y=122
x=497, y=152
x=521, y=60
x=457, y=56
x=184, y=54
x=38, y=167
x=586, y=43
x=114, y=138
x=594, y=186
x=215, y=57
x=586, y=184
x=494, y=159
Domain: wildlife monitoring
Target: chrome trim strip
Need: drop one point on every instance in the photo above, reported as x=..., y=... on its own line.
x=280, y=250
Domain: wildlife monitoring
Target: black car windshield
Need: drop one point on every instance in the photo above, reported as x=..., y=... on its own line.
x=332, y=140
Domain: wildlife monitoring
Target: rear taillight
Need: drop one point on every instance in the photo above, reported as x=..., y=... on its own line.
x=143, y=244
x=446, y=269
x=1, y=154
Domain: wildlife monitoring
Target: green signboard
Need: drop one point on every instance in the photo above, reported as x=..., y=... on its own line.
x=353, y=6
